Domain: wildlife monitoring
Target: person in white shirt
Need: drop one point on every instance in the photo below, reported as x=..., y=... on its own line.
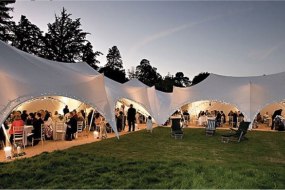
x=149, y=124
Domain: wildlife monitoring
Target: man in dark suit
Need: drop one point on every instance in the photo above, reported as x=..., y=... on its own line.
x=71, y=127
x=131, y=117
x=65, y=110
x=37, y=131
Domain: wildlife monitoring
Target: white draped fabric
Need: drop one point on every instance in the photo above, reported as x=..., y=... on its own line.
x=25, y=77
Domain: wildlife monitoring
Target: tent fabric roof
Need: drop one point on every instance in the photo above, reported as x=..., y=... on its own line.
x=24, y=76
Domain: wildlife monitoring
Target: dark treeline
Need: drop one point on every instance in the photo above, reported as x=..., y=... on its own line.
x=65, y=41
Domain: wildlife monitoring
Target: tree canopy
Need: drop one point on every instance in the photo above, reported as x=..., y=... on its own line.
x=28, y=37
x=114, y=67
x=147, y=74
x=64, y=39
x=5, y=20
x=199, y=78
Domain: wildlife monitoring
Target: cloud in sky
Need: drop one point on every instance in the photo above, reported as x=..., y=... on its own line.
x=262, y=54
x=168, y=32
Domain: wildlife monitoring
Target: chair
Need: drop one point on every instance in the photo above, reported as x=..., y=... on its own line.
x=176, y=129
x=239, y=120
x=19, y=135
x=42, y=138
x=79, y=128
x=231, y=118
x=238, y=135
x=211, y=127
x=59, y=128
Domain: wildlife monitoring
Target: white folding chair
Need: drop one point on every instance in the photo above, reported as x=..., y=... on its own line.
x=60, y=129
x=18, y=136
x=211, y=127
x=79, y=128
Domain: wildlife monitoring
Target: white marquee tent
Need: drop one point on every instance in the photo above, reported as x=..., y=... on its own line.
x=25, y=77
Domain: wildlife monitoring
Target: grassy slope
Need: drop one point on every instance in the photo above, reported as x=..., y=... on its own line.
x=142, y=160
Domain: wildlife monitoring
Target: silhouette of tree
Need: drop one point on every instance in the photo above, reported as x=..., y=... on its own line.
x=180, y=80
x=28, y=37
x=132, y=73
x=147, y=74
x=114, y=66
x=5, y=20
x=64, y=39
x=200, y=77
x=166, y=84
x=89, y=56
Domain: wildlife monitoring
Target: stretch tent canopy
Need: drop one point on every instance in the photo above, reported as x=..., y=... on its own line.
x=24, y=77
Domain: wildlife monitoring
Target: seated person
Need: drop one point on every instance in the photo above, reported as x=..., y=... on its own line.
x=37, y=124
x=17, y=122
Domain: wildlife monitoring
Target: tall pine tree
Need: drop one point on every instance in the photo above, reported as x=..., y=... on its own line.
x=28, y=37
x=114, y=66
x=89, y=56
x=64, y=39
x=5, y=20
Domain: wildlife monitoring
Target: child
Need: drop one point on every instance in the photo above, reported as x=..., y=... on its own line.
x=149, y=124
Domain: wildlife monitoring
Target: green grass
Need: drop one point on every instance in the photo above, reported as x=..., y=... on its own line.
x=143, y=160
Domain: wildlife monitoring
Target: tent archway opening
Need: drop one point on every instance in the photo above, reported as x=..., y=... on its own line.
x=123, y=104
x=194, y=108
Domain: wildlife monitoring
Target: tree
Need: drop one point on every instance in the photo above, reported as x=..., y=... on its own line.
x=200, y=77
x=132, y=73
x=147, y=74
x=180, y=80
x=114, y=66
x=89, y=56
x=166, y=84
x=28, y=37
x=5, y=20
x=64, y=39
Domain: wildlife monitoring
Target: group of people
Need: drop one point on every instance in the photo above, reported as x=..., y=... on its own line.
x=70, y=118
x=37, y=120
x=219, y=116
x=132, y=117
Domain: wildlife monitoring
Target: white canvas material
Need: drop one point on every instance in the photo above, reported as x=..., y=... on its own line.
x=24, y=77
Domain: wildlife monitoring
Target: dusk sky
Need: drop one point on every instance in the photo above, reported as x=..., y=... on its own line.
x=233, y=38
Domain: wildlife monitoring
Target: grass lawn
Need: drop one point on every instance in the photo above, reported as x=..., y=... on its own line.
x=153, y=161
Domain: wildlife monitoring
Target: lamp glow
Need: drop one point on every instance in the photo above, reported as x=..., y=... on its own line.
x=8, y=152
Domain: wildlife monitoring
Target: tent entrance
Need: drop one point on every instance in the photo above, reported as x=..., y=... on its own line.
x=122, y=107
x=210, y=108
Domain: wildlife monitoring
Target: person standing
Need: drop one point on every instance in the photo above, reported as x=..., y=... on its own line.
x=149, y=124
x=276, y=112
x=71, y=127
x=131, y=117
x=65, y=110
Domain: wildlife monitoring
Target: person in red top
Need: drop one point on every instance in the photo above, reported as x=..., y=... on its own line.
x=17, y=122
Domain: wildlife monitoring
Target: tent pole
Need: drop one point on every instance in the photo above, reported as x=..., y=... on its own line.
x=7, y=139
x=91, y=119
